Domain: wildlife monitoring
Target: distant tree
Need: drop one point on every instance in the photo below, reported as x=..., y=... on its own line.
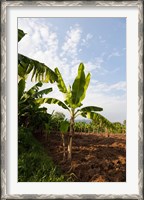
x=59, y=116
x=124, y=122
x=118, y=127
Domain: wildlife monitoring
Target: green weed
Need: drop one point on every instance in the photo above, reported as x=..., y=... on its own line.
x=33, y=163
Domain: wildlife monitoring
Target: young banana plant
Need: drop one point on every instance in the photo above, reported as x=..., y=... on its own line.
x=101, y=121
x=64, y=125
x=73, y=97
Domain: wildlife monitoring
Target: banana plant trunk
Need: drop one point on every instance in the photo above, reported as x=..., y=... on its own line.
x=63, y=141
x=71, y=133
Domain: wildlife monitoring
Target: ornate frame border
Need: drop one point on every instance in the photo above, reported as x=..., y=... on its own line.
x=4, y=5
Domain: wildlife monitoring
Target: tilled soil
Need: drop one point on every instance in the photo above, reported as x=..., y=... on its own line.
x=95, y=157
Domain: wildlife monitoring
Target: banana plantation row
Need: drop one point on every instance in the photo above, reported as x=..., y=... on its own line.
x=56, y=122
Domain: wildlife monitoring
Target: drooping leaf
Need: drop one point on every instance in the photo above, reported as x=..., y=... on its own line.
x=40, y=72
x=35, y=93
x=91, y=108
x=22, y=72
x=60, y=82
x=91, y=115
x=78, y=85
x=21, y=88
x=21, y=34
x=87, y=109
x=45, y=91
x=34, y=89
x=97, y=117
x=51, y=101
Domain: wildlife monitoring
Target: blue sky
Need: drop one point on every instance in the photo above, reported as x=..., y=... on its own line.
x=100, y=43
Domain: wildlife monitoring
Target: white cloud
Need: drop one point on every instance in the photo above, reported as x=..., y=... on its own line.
x=42, y=43
x=72, y=40
x=96, y=65
x=118, y=86
x=89, y=36
x=39, y=39
x=104, y=87
x=92, y=66
x=85, y=41
x=115, y=70
x=114, y=54
x=103, y=95
x=101, y=40
x=114, y=107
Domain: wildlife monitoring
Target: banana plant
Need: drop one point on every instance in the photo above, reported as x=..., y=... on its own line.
x=99, y=119
x=39, y=71
x=28, y=109
x=64, y=126
x=73, y=97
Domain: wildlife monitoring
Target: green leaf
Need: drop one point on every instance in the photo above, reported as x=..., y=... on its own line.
x=87, y=80
x=45, y=91
x=78, y=85
x=40, y=72
x=91, y=108
x=64, y=125
x=51, y=101
x=33, y=90
x=21, y=88
x=21, y=72
x=60, y=82
x=21, y=34
x=97, y=117
x=68, y=97
x=90, y=115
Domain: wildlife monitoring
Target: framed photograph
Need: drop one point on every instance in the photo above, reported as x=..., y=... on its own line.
x=72, y=100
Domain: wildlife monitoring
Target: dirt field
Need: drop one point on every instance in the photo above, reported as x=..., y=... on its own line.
x=95, y=158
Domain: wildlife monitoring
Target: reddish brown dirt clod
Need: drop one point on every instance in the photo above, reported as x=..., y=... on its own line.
x=95, y=157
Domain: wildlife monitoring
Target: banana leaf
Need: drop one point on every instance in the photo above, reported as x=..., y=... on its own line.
x=97, y=117
x=21, y=88
x=91, y=108
x=40, y=72
x=78, y=85
x=21, y=34
x=51, y=101
x=60, y=82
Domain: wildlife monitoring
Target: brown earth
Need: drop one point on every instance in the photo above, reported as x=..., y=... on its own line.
x=95, y=157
